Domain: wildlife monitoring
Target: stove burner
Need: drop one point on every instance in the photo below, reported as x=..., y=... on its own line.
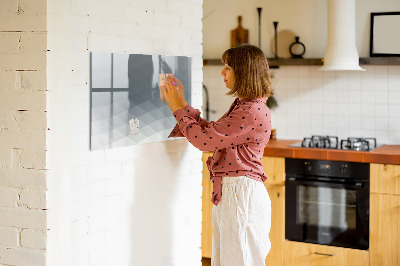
x=358, y=144
x=328, y=142
x=332, y=142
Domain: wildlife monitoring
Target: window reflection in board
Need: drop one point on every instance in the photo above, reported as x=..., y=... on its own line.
x=125, y=87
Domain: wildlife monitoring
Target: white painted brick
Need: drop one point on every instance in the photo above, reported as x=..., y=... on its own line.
x=197, y=166
x=33, y=239
x=8, y=197
x=153, y=32
x=8, y=237
x=179, y=36
x=137, y=16
x=23, y=178
x=79, y=175
x=80, y=227
x=15, y=158
x=5, y=158
x=152, y=5
x=197, y=75
x=133, y=44
x=33, y=199
x=79, y=42
x=197, y=62
x=81, y=63
x=176, y=7
x=23, y=22
x=37, y=7
x=8, y=6
x=18, y=256
x=192, y=23
x=23, y=100
x=13, y=119
x=25, y=60
x=192, y=48
x=32, y=42
x=15, y=139
x=197, y=38
x=119, y=162
x=165, y=47
x=98, y=172
x=79, y=7
x=197, y=10
x=30, y=80
x=8, y=80
x=114, y=186
x=105, y=42
x=33, y=159
x=168, y=20
x=19, y=217
x=9, y=42
x=98, y=222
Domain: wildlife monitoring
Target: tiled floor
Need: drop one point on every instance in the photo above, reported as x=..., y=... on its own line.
x=206, y=261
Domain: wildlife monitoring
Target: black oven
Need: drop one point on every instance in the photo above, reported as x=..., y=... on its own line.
x=327, y=202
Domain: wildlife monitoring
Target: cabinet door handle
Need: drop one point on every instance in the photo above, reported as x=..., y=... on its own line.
x=324, y=254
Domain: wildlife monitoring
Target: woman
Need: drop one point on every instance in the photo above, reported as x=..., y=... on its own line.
x=242, y=208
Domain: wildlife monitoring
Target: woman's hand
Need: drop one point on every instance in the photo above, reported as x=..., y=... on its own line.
x=172, y=95
x=181, y=91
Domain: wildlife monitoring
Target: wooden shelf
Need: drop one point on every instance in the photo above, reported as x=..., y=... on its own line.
x=380, y=61
x=273, y=63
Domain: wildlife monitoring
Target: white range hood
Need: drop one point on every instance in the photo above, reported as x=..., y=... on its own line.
x=341, y=51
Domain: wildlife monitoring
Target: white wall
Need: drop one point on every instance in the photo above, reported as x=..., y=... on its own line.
x=311, y=102
x=306, y=19
x=137, y=205
x=23, y=133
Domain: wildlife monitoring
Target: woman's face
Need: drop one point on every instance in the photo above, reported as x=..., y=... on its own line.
x=229, y=76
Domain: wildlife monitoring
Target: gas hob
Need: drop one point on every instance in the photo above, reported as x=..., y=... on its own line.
x=332, y=142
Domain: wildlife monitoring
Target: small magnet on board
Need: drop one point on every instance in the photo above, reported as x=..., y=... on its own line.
x=134, y=126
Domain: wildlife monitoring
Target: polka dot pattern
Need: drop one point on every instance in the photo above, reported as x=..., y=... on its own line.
x=238, y=139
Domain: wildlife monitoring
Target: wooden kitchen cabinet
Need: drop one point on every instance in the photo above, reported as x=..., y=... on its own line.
x=274, y=168
x=305, y=254
x=385, y=215
x=384, y=236
x=206, y=225
x=277, y=233
x=385, y=178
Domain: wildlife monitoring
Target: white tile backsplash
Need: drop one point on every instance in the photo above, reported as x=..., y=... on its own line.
x=345, y=103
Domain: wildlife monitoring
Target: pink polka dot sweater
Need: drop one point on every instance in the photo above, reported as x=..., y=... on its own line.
x=238, y=139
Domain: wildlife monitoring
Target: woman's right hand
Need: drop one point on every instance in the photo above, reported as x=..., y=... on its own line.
x=181, y=90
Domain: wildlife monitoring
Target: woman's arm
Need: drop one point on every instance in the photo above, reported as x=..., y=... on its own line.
x=178, y=98
x=239, y=127
x=193, y=113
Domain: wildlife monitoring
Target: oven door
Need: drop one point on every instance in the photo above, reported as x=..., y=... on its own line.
x=327, y=213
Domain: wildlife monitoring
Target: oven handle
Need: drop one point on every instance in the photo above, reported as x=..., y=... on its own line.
x=324, y=254
x=357, y=185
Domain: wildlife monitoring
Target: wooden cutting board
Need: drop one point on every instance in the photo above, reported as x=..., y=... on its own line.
x=239, y=35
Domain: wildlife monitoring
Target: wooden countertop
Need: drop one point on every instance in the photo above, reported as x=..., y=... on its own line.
x=389, y=154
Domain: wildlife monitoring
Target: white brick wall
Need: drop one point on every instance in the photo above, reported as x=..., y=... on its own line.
x=137, y=205
x=23, y=132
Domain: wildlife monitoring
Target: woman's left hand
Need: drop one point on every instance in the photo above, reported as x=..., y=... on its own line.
x=170, y=91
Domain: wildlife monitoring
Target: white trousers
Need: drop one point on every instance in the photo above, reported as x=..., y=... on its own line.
x=241, y=223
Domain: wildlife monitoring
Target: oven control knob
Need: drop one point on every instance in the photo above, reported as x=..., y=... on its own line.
x=343, y=168
x=308, y=166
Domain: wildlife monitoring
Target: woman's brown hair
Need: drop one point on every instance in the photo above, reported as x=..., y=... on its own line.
x=250, y=66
